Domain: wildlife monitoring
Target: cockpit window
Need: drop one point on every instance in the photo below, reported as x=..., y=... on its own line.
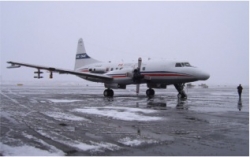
x=183, y=64
x=178, y=65
x=187, y=64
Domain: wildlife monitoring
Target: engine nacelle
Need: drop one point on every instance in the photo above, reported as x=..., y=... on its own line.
x=130, y=74
x=115, y=86
x=157, y=85
x=97, y=70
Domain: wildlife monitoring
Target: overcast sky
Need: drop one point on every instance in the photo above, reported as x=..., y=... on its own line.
x=213, y=36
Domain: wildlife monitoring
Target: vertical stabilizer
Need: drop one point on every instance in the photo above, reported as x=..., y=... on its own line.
x=82, y=58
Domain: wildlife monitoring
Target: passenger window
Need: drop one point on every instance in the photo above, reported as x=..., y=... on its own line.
x=116, y=68
x=178, y=65
x=107, y=69
x=143, y=68
x=111, y=69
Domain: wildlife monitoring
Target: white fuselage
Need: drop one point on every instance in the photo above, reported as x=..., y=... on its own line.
x=165, y=72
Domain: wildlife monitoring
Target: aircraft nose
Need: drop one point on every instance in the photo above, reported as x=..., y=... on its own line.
x=203, y=76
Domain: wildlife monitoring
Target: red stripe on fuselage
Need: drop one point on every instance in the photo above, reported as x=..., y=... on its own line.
x=164, y=74
x=85, y=70
x=153, y=75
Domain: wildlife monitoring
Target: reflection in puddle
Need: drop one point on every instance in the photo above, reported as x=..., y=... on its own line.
x=108, y=99
x=181, y=104
x=239, y=104
x=157, y=104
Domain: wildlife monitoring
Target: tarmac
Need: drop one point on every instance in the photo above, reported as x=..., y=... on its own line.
x=78, y=120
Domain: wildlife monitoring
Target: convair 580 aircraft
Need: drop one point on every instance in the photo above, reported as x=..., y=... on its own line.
x=156, y=74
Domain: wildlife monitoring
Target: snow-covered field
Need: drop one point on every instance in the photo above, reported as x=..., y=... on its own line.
x=71, y=120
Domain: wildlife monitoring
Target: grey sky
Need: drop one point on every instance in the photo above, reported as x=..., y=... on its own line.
x=213, y=36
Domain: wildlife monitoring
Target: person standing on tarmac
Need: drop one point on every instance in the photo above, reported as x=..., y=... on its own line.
x=239, y=90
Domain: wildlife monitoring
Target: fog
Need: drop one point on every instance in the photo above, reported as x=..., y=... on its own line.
x=213, y=36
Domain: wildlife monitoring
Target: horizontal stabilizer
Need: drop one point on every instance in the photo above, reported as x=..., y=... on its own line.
x=14, y=66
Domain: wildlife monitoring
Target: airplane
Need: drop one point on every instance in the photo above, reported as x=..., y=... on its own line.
x=156, y=74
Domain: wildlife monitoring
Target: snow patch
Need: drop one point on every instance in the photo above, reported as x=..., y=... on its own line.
x=122, y=113
x=135, y=142
x=130, y=109
x=50, y=147
x=64, y=116
x=24, y=150
x=93, y=146
x=62, y=101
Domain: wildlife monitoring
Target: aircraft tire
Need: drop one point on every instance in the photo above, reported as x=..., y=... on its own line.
x=150, y=92
x=105, y=93
x=108, y=93
x=111, y=93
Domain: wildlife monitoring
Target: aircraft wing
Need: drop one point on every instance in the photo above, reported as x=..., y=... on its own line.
x=60, y=71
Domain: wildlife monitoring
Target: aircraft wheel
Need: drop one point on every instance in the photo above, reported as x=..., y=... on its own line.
x=111, y=93
x=150, y=92
x=105, y=93
x=108, y=93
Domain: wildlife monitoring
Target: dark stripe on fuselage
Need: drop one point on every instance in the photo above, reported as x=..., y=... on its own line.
x=153, y=74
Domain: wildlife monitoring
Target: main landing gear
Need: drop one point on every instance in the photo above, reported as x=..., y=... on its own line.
x=150, y=92
x=108, y=93
x=179, y=87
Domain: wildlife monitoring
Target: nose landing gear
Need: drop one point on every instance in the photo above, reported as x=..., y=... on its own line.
x=108, y=93
x=150, y=92
x=179, y=87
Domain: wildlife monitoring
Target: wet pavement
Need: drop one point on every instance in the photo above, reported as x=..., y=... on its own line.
x=71, y=120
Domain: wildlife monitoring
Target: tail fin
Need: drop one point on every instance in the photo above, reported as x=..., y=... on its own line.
x=82, y=58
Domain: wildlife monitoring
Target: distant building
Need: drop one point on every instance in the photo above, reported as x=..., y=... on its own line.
x=189, y=85
x=203, y=85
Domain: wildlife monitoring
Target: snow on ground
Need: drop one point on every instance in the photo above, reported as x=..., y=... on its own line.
x=122, y=113
x=50, y=147
x=62, y=101
x=135, y=142
x=64, y=116
x=93, y=146
x=130, y=109
x=25, y=150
